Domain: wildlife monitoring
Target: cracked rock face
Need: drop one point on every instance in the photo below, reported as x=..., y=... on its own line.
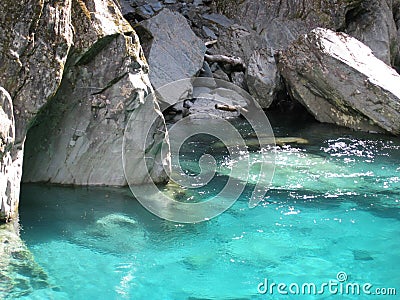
x=372, y=22
x=74, y=81
x=340, y=81
x=77, y=138
x=35, y=38
x=174, y=52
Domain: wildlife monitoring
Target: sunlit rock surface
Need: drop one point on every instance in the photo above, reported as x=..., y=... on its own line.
x=11, y=159
x=77, y=138
x=35, y=38
x=340, y=81
x=173, y=51
x=263, y=27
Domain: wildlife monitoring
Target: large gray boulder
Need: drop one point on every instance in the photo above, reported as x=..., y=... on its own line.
x=262, y=77
x=273, y=25
x=261, y=74
x=75, y=99
x=339, y=80
x=262, y=28
x=77, y=138
x=173, y=51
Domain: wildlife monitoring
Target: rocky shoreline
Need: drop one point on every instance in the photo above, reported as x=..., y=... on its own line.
x=73, y=73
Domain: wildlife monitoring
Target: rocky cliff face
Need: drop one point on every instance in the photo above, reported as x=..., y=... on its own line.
x=174, y=51
x=274, y=25
x=35, y=38
x=74, y=81
x=254, y=30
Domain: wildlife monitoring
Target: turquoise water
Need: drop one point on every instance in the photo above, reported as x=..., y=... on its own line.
x=334, y=207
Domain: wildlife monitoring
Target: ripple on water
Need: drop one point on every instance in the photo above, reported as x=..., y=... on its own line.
x=333, y=206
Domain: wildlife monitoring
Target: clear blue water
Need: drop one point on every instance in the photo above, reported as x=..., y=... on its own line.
x=334, y=207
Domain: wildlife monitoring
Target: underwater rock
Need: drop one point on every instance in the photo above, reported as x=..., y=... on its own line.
x=362, y=255
x=340, y=81
x=19, y=273
x=200, y=260
x=264, y=140
x=330, y=173
x=105, y=234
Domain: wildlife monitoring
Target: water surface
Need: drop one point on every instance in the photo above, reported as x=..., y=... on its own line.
x=334, y=207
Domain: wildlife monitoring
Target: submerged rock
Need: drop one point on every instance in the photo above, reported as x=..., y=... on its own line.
x=340, y=81
x=265, y=140
x=362, y=255
x=20, y=275
x=105, y=234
